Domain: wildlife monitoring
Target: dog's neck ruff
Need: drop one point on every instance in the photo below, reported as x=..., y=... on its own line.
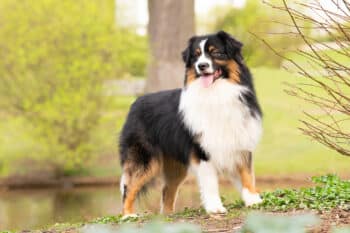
x=222, y=122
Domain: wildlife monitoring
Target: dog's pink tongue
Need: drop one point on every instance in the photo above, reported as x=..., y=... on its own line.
x=207, y=80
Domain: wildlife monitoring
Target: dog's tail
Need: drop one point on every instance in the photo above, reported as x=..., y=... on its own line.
x=135, y=180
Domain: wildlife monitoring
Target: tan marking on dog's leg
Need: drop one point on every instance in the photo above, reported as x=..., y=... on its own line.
x=245, y=171
x=249, y=193
x=137, y=179
x=174, y=174
x=247, y=180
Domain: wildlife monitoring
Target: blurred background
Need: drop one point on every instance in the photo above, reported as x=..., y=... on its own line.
x=69, y=71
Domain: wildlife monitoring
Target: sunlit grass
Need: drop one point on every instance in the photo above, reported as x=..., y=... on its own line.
x=284, y=149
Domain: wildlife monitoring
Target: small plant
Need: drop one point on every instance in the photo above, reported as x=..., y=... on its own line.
x=330, y=192
x=108, y=219
x=189, y=212
x=237, y=204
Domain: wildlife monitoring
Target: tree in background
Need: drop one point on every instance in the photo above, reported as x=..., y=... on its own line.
x=253, y=19
x=55, y=57
x=171, y=24
x=323, y=68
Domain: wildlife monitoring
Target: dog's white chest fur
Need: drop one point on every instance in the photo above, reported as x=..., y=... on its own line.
x=223, y=123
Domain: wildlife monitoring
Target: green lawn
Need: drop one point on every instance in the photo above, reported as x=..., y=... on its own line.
x=283, y=149
x=329, y=55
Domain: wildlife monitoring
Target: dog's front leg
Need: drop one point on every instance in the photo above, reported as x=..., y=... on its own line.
x=209, y=187
x=245, y=179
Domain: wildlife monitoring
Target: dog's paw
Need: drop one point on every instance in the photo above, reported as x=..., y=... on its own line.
x=216, y=209
x=129, y=216
x=250, y=198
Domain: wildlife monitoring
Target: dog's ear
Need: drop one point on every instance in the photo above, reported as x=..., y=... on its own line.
x=186, y=54
x=233, y=46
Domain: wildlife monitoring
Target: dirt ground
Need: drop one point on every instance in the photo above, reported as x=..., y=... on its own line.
x=329, y=220
x=336, y=217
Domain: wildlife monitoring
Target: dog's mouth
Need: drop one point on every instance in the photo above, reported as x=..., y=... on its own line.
x=209, y=78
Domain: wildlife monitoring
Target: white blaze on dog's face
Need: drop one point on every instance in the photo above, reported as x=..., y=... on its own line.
x=209, y=58
x=204, y=66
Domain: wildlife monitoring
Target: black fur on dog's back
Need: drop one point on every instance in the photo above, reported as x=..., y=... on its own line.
x=154, y=128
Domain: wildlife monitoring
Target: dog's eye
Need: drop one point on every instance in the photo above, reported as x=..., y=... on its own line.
x=197, y=53
x=218, y=54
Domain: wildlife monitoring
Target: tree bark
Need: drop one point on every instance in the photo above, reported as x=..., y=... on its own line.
x=171, y=24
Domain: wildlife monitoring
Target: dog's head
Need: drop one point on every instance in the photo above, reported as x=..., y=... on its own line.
x=212, y=57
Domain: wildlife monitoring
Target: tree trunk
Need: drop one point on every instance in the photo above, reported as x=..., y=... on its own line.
x=171, y=24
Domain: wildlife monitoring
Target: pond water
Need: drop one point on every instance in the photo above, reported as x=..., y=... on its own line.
x=33, y=209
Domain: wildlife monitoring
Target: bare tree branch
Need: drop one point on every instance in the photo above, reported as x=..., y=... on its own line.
x=324, y=67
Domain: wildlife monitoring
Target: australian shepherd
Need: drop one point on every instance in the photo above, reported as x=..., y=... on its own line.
x=211, y=126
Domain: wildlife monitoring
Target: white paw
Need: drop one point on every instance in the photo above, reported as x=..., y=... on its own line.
x=219, y=209
x=250, y=198
x=128, y=216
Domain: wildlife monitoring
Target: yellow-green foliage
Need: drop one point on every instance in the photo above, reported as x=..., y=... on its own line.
x=55, y=56
x=266, y=23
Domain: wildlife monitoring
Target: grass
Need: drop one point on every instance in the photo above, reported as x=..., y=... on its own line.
x=283, y=149
x=327, y=54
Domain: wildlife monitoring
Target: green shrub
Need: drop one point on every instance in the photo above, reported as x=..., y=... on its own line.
x=264, y=21
x=55, y=57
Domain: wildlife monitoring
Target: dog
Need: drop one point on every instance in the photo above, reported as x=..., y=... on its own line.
x=211, y=126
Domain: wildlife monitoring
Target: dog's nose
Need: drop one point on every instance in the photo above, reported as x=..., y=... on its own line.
x=202, y=66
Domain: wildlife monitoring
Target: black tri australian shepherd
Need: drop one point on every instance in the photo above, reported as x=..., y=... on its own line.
x=211, y=126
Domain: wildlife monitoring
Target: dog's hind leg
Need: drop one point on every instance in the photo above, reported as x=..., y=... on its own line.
x=134, y=178
x=246, y=182
x=174, y=174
